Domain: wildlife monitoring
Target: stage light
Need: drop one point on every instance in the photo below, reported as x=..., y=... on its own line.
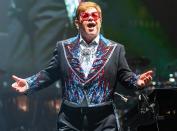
x=22, y=103
x=54, y=105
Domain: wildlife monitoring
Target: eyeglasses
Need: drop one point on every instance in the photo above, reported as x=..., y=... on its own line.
x=85, y=16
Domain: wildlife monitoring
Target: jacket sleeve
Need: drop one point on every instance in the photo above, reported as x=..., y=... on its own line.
x=46, y=76
x=126, y=77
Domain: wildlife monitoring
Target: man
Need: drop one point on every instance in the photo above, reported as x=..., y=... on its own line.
x=89, y=67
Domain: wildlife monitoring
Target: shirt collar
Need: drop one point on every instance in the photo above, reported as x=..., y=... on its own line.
x=95, y=41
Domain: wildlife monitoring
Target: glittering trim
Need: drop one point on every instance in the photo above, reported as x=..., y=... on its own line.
x=103, y=54
x=36, y=81
x=96, y=92
x=133, y=80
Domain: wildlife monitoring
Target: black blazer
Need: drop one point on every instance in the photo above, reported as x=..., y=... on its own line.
x=109, y=68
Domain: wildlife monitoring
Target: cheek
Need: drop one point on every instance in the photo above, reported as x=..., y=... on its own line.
x=81, y=26
x=98, y=25
x=84, y=25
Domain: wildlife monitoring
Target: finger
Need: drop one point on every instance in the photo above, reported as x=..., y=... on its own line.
x=148, y=78
x=146, y=74
x=149, y=73
x=146, y=81
x=17, y=88
x=14, y=85
x=143, y=76
x=15, y=78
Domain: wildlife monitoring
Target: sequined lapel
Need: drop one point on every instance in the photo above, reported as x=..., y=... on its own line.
x=104, y=52
x=71, y=49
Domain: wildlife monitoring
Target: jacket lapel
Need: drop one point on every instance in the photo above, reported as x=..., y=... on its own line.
x=103, y=53
x=71, y=49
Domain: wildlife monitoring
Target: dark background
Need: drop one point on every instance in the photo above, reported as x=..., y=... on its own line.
x=30, y=29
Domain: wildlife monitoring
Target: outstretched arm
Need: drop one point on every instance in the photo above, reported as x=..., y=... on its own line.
x=42, y=79
x=128, y=78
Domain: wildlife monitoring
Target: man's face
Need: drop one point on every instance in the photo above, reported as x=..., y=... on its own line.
x=89, y=23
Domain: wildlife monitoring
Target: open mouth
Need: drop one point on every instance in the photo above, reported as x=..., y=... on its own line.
x=91, y=25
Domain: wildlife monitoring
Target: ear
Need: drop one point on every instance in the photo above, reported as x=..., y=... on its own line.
x=76, y=22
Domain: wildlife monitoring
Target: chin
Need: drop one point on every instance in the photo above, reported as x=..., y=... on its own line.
x=94, y=33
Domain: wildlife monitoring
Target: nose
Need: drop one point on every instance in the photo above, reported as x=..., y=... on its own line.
x=90, y=18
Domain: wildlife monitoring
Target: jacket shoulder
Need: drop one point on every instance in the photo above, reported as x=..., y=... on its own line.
x=111, y=42
x=116, y=43
x=67, y=41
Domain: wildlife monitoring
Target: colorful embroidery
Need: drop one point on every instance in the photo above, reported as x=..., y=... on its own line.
x=95, y=87
x=103, y=53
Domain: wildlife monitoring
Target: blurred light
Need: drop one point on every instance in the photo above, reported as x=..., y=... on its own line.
x=170, y=75
x=172, y=79
x=71, y=6
x=153, y=83
x=54, y=105
x=57, y=105
x=23, y=103
x=5, y=84
x=58, y=84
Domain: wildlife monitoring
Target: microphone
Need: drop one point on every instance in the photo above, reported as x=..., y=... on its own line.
x=121, y=96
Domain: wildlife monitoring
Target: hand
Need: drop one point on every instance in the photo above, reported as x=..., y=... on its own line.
x=145, y=79
x=20, y=84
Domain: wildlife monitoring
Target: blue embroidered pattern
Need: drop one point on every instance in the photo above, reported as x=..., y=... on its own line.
x=97, y=88
x=97, y=91
x=36, y=81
